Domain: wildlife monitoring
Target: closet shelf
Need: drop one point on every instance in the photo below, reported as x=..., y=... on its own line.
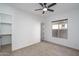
x=5, y=34
x=6, y=23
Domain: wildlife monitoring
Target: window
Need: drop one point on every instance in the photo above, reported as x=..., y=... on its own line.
x=59, y=28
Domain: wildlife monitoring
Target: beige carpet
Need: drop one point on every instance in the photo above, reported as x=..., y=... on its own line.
x=46, y=49
x=5, y=50
x=40, y=49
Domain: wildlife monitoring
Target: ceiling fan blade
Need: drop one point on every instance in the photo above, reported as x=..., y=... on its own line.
x=45, y=4
x=51, y=5
x=43, y=12
x=41, y=4
x=50, y=10
x=37, y=9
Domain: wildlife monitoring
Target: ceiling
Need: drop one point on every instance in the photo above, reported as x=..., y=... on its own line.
x=58, y=8
x=30, y=7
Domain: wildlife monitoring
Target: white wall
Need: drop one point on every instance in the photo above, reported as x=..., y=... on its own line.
x=26, y=30
x=25, y=27
x=70, y=12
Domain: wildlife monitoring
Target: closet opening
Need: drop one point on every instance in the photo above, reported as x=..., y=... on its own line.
x=5, y=33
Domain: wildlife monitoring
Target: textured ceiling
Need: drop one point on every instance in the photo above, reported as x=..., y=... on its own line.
x=30, y=7
x=59, y=7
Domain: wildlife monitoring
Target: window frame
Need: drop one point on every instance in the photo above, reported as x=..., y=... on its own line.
x=66, y=20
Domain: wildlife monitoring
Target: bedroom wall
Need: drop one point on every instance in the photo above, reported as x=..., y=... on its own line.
x=66, y=11
x=26, y=30
x=25, y=27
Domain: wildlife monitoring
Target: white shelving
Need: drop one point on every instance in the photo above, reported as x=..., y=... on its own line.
x=5, y=29
x=5, y=18
x=5, y=24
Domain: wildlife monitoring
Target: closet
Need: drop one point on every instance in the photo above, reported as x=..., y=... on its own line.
x=5, y=33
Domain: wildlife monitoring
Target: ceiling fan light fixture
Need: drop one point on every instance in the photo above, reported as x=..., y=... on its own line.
x=44, y=9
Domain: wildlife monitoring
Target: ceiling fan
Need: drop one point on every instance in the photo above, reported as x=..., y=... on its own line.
x=45, y=7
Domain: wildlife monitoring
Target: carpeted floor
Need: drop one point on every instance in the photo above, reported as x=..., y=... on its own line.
x=5, y=50
x=45, y=49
